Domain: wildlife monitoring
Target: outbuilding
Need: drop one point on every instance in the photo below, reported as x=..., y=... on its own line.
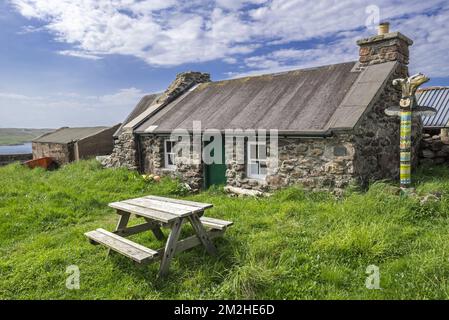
x=65, y=145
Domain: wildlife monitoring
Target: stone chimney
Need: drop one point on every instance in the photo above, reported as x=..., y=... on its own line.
x=184, y=81
x=384, y=47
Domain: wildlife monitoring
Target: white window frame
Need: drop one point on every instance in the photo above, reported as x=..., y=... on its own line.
x=166, y=154
x=257, y=160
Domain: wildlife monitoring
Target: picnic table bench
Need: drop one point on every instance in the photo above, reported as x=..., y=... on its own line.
x=160, y=212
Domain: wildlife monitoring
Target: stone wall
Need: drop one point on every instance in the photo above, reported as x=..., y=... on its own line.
x=124, y=153
x=434, y=150
x=377, y=138
x=153, y=162
x=6, y=159
x=315, y=163
x=61, y=153
x=392, y=46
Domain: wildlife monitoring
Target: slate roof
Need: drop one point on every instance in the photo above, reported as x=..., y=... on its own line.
x=143, y=105
x=309, y=101
x=66, y=135
x=438, y=98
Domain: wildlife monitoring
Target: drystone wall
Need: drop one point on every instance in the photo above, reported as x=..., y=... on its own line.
x=434, y=150
x=6, y=159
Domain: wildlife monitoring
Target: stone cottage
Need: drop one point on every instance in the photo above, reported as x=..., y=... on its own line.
x=65, y=145
x=330, y=121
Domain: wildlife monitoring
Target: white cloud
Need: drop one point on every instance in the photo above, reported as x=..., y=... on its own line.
x=79, y=54
x=67, y=109
x=174, y=32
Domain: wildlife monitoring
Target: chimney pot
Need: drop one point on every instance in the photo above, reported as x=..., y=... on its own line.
x=383, y=28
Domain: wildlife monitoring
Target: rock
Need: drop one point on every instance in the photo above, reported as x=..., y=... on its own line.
x=245, y=192
x=428, y=198
x=428, y=153
x=316, y=152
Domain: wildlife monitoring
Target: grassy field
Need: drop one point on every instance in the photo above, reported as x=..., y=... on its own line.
x=11, y=136
x=294, y=245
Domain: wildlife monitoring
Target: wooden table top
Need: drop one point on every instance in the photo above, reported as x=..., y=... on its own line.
x=160, y=209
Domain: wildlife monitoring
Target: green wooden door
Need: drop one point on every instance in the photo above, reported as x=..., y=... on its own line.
x=215, y=173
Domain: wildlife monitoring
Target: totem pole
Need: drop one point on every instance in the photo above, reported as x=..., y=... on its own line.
x=407, y=106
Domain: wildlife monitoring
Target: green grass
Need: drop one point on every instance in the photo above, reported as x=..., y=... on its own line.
x=12, y=136
x=294, y=245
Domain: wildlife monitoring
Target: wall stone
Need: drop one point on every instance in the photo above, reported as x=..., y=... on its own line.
x=434, y=150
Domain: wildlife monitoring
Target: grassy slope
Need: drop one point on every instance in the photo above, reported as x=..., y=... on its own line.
x=11, y=136
x=293, y=245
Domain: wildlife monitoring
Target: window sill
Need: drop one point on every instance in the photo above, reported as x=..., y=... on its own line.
x=258, y=180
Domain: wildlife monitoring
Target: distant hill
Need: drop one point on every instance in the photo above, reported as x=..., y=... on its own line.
x=11, y=136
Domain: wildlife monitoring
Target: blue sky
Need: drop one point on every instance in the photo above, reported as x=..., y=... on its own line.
x=77, y=63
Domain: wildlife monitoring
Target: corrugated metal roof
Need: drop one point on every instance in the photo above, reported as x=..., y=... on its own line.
x=438, y=98
x=309, y=101
x=67, y=135
x=143, y=105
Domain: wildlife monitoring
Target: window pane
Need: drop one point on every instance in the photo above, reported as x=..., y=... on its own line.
x=254, y=169
x=171, y=159
x=253, y=151
x=263, y=168
x=168, y=146
x=262, y=151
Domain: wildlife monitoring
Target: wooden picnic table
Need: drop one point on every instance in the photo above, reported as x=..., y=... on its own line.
x=160, y=212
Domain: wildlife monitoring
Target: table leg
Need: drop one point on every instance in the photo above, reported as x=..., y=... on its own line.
x=156, y=231
x=170, y=247
x=122, y=222
x=202, y=234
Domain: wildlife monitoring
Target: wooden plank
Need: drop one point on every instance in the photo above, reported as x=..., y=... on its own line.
x=129, y=231
x=202, y=234
x=194, y=241
x=156, y=230
x=123, y=246
x=185, y=202
x=144, y=212
x=215, y=223
x=161, y=206
x=122, y=223
x=164, y=205
x=175, y=204
x=170, y=247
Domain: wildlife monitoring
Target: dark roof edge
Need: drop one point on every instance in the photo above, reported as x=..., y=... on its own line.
x=321, y=134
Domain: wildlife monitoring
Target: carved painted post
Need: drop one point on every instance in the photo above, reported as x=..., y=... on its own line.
x=408, y=105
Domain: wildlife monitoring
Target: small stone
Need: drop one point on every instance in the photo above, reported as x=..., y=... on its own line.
x=428, y=153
